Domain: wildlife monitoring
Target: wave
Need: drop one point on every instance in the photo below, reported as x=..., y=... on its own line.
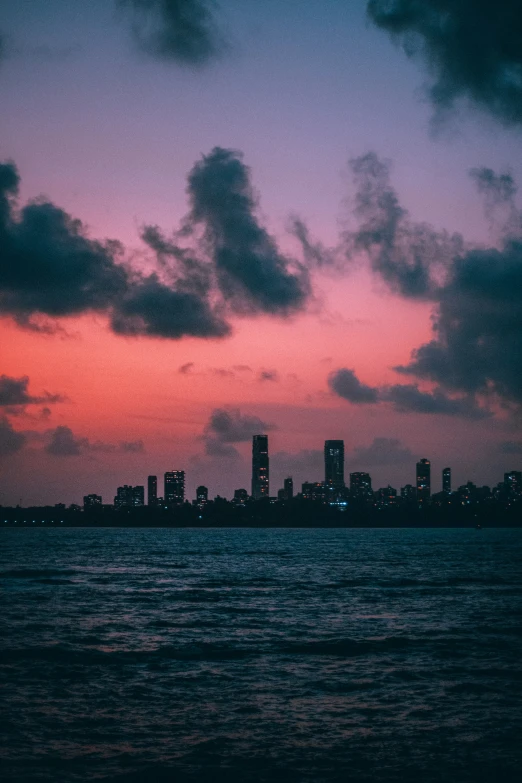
x=35, y=573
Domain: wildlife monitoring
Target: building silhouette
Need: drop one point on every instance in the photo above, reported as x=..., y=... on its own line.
x=92, y=501
x=240, y=497
x=152, y=491
x=361, y=485
x=129, y=496
x=174, y=488
x=423, y=481
x=446, y=480
x=260, y=473
x=334, y=463
x=288, y=488
x=201, y=496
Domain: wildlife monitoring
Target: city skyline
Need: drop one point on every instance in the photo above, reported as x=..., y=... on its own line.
x=246, y=247
x=359, y=486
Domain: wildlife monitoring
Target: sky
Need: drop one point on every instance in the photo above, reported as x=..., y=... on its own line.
x=221, y=219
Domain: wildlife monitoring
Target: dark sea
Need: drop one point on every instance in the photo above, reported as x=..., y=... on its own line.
x=261, y=655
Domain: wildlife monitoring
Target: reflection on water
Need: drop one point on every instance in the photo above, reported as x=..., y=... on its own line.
x=261, y=655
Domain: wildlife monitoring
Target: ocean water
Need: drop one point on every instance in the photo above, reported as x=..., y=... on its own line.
x=261, y=655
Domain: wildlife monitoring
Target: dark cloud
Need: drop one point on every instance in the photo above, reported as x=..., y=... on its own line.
x=405, y=398
x=149, y=307
x=345, y=383
x=476, y=291
x=383, y=451
x=227, y=426
x=47, y=263
x=268, y=375
x=315, y=254
x=410, y=257
x=184, y=31
x=64, y=443
x=14, y=393
x=408, y=398
x=221, y=261
x=186, y=368
x=477, y=346
x=511, y=447
x=10, y=440
x=472, y=49
x=132, y=446
x=252, y=275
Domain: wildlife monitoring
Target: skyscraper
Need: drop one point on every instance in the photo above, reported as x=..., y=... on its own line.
x=201, y=496
x=129, y=496
x=152, y=491
x=423, y=482
x=174, y=493
x=446, y=480
x=334, y=463
x=260, y=480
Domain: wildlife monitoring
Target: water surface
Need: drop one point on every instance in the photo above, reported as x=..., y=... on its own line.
x=261, y=655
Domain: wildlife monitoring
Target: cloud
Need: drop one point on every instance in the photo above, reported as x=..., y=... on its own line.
x=62, y=442
x=48, y=265
x=183, y=31
x=149, y=307
x=252, y=275
x=383, y=451
x=268, y=375
x=408, y=398
x=14, y=393
x=410, y=257
x=315, y=254
x=345, y=383
x=511, y=447
x=132, y=446
x=10, y=440
x=228, y=425
x=476, y=290
x=470, y=49
x=477, y=347
x=405, y=398
x=186, y=368
x=220, y=263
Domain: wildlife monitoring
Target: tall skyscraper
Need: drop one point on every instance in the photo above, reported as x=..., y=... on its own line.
x=152, y=491
x=446, y=480
x=174, y=491
x=334, y=463
x=260, y=481
x=423, y=482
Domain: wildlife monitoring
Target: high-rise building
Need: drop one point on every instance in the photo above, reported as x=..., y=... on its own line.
x=423, y=482
x=314, y=490
x=152, y=491
x=288, y=488
x=361, y=486
x=334, y=463
x=260, y=476
x=129, y=496
x=92, y=501
x=446, y=480
x=201, y=496
x=174, y=491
